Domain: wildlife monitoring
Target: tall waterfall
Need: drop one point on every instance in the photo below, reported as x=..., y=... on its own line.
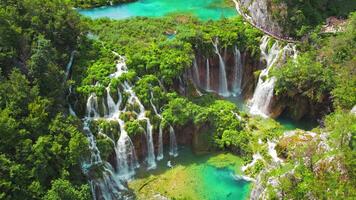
x=125, y=155
x=207, y=75
x=173, y=149
x=150, y=159
x=160, y=132
x=106, y=185
x=262, y=97
x=109, y=185
x=223, y=88
x=173, y=143
x=196, y=72
x=237, y=81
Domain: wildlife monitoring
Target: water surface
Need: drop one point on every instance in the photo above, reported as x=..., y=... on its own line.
x=194, y=177
x=203, y=9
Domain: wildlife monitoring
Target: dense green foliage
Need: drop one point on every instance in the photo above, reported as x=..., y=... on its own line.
x=42, y=147
x=96, y=3
x=320, y=173
x=149, y=49
x=38, y=144
x=300, y=17
x=326, y=70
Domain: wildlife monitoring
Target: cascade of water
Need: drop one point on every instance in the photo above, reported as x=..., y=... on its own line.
x=196, y=77
x=160, y=143
x=69, y=65
x=106, y=186
x=125, y=153
x=160, y=134
x=208, y=75
x=112, y=107
x=92, y=106
x=272, y=152
x=223, y=88
x=262, y=97
x=237, y=81
x=173, y=149
x=151, y=163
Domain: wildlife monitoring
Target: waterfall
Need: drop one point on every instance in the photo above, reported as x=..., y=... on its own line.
x=237, y=78
x=160, y=143
x=69, y=65
x=272, y=152
x=92, y=106
x=125, y=155
x=151, y=163
x=262, y=97
x=160, y=134
x=104, y=186
x=208, y=75
x=223, y=89
x=196, y=77
x=173, y=149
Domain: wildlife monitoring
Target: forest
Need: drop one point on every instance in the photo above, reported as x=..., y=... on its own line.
x=65, y=76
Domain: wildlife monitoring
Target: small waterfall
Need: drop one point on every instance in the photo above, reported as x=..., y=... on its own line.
x=125, y=155
x=237, y=80
x=173, y=149
x=223, y=88
x=69, y=65
x=262, y=97
x=196, y=76
x=92, y=106
x=151, y=163
x=160, y=143
x=160, y=134
x=112, y=107
x=272, y=152
x=208, y=88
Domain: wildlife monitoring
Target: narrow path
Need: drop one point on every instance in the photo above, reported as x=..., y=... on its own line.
x=250, y=21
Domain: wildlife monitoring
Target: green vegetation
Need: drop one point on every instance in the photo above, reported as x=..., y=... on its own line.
x=300, y=17
x=96, y=3
x=316, y=170
x=40, y=147
x=323, y=71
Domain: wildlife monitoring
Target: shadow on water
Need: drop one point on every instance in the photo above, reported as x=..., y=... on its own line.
x=290, y=124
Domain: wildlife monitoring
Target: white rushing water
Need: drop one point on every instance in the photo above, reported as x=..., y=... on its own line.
x=173, y=143
x=262, y=97
x=69, y=64
x=106, y=186
x=223, y=88
x=173, y=149
x=109, y=186
x=272, y=152
x=196, y=72
x=207, y=86
x=160, y=132
x=237, y=81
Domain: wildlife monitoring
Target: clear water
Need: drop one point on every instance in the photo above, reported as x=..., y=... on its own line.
x=289, y=124
x=219, y=184
x=208, y=181
x=203, y=9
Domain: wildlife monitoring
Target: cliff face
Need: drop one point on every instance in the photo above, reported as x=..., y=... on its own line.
x=259, y=13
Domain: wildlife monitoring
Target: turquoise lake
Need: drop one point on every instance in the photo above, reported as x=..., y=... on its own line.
x=198, y=173
x=203, y=9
